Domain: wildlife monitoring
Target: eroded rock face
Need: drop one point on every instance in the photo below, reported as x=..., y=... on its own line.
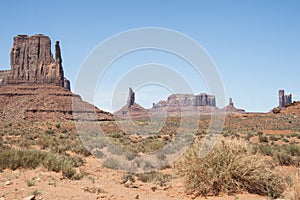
x=32, y=62
x=35, y=88
x=178, y=100
x=42, y=102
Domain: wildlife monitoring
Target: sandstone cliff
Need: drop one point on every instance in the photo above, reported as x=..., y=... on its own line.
x=35, y=88
x=32, y=62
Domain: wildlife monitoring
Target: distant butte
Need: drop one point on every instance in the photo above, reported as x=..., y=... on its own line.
x=35, y=88
x=231, y=109
x=175, y=105
x=131, y=110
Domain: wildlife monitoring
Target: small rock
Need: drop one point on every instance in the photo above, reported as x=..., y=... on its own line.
x=32, y=197
x=1, y=198
x=8, y=183
x=137, y=196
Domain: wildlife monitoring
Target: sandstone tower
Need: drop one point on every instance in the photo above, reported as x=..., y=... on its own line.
x=32, y=62
x=131, y=98
x=284, y=100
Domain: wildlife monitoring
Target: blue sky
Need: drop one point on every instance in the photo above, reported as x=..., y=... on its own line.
x=255, y=44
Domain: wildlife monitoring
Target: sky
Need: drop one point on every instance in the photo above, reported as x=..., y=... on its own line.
x=255, y=44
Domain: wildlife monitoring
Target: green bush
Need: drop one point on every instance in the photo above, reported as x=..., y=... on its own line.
x=68, y=169
x=30, y=159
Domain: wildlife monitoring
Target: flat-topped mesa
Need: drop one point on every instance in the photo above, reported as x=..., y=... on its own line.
x=187, y=100
x=32, y=62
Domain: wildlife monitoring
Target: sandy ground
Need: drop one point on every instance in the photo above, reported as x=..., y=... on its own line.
x=98, y=183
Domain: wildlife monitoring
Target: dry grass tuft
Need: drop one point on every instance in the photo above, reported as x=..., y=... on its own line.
x=297, y=186
x=232, y=166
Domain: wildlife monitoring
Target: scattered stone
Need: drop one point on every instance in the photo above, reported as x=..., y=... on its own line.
x=97, y=190
x=276, y=110
x=32, y=197
x=137, y=197
x=153, y=188
x=8, y=183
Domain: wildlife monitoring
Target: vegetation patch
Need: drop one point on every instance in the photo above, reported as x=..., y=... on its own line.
x=232, y=166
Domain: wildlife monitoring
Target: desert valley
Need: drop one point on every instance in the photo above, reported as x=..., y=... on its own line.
x=46, y=155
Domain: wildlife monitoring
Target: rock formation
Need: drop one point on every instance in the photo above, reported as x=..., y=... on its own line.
x=187, y=100
x=35, y=88
x=131, y=98
x=32, y=62
x=187, y=104
x=231, y=109
x=40, y=102
x=131, y=110
x=284, y=100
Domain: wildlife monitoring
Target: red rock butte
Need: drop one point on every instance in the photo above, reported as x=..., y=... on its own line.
x=35, y=88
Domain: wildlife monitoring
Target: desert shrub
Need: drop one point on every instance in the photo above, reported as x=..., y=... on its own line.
x=30, y=183
x=157, y=178
x=114, y=149
x=285, y=140
x=64, y=131
x=112, y=163
x=230, y=167
x=80, y=149
x=14, y=159
x=263, y=138
x=249, y=135
x=45, y=142
x=266, y=149
x=116, y=135
x=283, y=157
x=294, y=134
x=98, y=153
x=273, y=138
x=52, y=163
x=68, y=169
x=57, y=125
x=49, y=132
x=128, y=177
x=130, y=156
x=30, y=159
x=293, y=149
x=77, y=176
x=297, y=186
